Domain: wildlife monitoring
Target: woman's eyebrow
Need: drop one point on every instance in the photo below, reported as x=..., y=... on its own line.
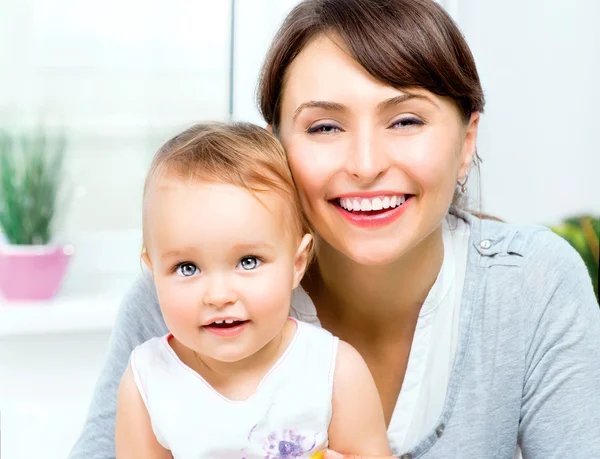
x=382, y=106
x=334, y=106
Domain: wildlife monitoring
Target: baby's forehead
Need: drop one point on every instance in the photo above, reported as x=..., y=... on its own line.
x=275, y=203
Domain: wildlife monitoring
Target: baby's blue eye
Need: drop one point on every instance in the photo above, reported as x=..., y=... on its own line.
x=187, y=269
x=249, y=263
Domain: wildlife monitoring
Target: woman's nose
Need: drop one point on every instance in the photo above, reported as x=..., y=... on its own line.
x=367, y=161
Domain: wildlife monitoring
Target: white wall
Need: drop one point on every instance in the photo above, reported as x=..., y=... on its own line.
x=45, y=389
x=539, y=62
x=121, y=77
x=257, y=22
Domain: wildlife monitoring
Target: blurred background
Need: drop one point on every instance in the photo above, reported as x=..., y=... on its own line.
x=117, y=78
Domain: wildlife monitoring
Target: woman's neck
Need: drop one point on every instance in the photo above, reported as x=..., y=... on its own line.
x=374, y=297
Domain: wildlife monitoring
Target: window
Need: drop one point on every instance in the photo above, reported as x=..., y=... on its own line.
x=120, y=77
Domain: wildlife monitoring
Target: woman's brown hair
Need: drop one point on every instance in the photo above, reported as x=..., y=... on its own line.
x=402, y=43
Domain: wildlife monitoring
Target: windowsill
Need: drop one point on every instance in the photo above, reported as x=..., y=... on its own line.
x=94, y=310
x=65, y=315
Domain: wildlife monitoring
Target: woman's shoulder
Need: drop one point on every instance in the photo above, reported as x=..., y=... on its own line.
x=140, y=312
x=530, y=259
x=523, y=245
x=527, y=281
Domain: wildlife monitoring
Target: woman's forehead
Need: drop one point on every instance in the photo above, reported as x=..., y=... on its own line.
x=325, y=74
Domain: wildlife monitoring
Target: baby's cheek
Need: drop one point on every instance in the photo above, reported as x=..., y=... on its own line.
x=177, y=308
x=272, y=294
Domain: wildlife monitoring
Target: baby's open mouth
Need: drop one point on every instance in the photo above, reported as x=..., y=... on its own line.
x=229, y=323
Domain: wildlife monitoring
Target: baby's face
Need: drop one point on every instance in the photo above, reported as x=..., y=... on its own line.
x=224, y=265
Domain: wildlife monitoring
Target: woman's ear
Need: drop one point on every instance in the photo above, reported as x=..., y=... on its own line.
x=301, y=258
x=269, y=128
x=469, y=146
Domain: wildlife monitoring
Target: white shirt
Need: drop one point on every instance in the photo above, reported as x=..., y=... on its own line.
x=288, y=414
x=423, y=392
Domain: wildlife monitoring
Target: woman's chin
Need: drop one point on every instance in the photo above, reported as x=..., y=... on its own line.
x=379, y=253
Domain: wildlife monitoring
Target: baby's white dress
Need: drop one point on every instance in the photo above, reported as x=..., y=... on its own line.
x=287, y=417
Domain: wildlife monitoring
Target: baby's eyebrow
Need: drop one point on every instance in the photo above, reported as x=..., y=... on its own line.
x=178, y=252
x=250, y=246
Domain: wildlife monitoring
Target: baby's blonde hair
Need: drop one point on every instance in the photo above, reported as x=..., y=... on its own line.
x=235, y=153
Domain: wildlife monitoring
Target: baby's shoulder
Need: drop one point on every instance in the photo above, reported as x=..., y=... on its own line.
x=151, y=354
x=315, y=338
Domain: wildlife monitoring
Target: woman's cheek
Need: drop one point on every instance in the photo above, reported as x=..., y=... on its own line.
x=308, y=181
x=430, y=164
x=313, y=163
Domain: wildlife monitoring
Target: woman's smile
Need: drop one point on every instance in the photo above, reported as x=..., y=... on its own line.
x=372, y=210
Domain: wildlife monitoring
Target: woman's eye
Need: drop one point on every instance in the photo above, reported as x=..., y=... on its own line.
x=187, y=269
x=407, y=122
x=323, y=129
x=249, y=263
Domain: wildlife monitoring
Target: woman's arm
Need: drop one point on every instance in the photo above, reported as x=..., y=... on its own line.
x=357, y=424
x=139, y=319
x=560, y=409
x=134, y=437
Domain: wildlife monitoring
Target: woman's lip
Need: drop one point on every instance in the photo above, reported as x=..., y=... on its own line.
x=370, y=194
x=227, y=332
x=374, y=220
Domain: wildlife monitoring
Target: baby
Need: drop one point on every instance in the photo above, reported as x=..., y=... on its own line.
x=226, y=242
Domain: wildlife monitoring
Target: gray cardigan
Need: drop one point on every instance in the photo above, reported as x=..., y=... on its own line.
x=527, y=366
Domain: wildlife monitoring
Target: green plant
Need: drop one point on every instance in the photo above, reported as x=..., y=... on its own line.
x=31, y=173
x=583, y=234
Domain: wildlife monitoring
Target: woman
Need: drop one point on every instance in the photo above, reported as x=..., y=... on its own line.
x=481, y=336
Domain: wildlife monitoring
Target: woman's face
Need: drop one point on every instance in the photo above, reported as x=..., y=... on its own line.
x=376, y=167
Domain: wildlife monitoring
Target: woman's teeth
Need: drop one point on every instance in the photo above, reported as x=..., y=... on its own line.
x=378, y=203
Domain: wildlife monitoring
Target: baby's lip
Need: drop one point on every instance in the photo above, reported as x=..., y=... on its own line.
x=223, y=320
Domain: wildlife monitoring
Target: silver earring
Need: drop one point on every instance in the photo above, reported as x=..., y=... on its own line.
x=463, y=184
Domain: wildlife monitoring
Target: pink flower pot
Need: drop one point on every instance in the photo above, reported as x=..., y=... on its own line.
x=30, y=273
